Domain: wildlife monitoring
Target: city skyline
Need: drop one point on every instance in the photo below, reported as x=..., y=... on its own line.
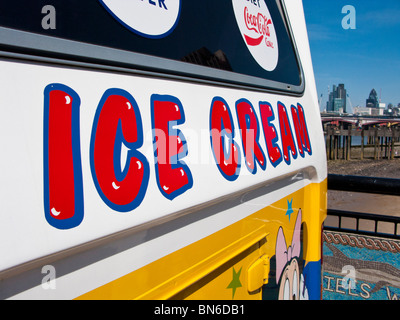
x=364, y=57
x=337, y=99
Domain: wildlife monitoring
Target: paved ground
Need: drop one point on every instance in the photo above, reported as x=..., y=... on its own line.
x=368, y=203
x=369, y=167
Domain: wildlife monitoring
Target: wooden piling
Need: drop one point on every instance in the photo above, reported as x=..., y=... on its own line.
x=348, y=152
x=383, y=141
x=386, y=148
x=362, y=144
x=392, y=145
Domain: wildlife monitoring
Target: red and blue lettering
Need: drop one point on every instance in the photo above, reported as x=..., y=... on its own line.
x=63, y=186
x=248, y=124
x=270, y=133
x=121, y=172
x=222, y=133
x=300, y=126
x=172, y=174
x=118, y=123
x=288, y=145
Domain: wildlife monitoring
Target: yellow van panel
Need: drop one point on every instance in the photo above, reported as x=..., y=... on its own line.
x=224, y=265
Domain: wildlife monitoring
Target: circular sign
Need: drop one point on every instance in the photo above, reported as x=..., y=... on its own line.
x=148, y=18
x=258, y=31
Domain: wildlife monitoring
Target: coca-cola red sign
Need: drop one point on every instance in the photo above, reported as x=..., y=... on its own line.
x=258, y=31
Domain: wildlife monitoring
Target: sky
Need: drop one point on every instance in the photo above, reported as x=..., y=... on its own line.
x=364, y=58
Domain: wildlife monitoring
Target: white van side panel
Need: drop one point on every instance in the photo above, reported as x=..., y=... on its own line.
x=107, y=244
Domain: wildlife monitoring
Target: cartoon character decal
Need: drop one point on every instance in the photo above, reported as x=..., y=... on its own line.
x=289, y=265
x=291, y=277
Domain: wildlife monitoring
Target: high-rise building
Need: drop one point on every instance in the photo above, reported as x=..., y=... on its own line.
x=337, y=99
x=372, y=101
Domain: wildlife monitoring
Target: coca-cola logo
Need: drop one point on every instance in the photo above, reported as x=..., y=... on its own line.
x=258, y=31
x=260, y=24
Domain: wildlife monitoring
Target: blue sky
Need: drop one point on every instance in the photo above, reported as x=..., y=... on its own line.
x=363, y=58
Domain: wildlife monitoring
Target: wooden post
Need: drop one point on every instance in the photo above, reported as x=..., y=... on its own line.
x=326, y=141
x=341, y=139
x=344, y=141
x=348, y=155
x=330, y=144
x=375, y=143
x=386, y=146
x=392, y=145
x=335, y=147
x=362, y=144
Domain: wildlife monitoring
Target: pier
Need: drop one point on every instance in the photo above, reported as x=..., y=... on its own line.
x=379, y=137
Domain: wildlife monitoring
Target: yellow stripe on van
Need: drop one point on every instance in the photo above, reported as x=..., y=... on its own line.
x=224, y=264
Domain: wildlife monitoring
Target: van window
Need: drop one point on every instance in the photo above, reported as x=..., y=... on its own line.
x=241, y=41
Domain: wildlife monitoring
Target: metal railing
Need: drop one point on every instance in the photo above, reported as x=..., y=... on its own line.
x=385, y=186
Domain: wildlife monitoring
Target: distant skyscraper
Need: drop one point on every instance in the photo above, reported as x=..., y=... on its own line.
x=337, y=99
x=372, y=101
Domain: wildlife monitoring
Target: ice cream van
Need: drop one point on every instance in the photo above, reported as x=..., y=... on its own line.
x=159, y=149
